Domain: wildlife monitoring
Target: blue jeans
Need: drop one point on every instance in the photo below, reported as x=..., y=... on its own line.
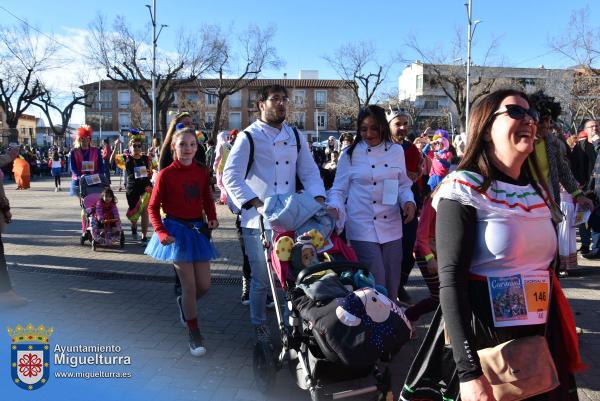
x=595, y=242
x=259, y=283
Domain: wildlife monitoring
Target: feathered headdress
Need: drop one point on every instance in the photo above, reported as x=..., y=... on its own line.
x=135, y=135
x=200, y=136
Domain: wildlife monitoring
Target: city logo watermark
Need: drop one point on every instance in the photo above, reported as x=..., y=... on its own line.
x=30, y=355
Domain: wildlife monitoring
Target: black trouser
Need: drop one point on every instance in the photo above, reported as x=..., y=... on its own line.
x=5, y=284
x=57, y=181
x=409, y=236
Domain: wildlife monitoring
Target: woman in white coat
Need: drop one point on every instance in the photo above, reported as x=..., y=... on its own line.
x=371, y=194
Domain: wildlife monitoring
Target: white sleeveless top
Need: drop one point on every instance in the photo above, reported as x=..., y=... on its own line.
x=514, y=232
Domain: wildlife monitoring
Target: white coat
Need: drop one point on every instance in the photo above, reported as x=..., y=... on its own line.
x=358, y=192
x=276, y=162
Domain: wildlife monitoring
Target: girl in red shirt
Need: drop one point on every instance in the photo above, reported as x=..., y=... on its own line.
x=182, y=190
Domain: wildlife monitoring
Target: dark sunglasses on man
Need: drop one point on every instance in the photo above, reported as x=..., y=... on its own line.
x=136, y=145
x=517, y=112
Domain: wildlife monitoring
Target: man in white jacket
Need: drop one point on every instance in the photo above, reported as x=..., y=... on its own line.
x=265, y=160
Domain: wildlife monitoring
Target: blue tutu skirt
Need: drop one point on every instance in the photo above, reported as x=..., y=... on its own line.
x=189, y=246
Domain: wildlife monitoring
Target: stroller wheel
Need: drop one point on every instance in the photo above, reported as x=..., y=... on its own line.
x=122, y=240
x=264, y=366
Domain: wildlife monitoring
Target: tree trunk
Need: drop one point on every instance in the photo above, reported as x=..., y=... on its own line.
x=217, y=124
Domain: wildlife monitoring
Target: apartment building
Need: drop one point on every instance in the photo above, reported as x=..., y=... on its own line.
x=416, y=84
x=118, y=108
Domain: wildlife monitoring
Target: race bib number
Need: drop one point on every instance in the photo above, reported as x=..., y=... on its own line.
x=520, y=299
x=92, y=179
x=140, y=172
x=87, y=166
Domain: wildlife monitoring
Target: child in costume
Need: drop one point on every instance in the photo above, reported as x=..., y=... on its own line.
x=182, y=190
x=107, y=214
x=138, y=168
x=439, y=153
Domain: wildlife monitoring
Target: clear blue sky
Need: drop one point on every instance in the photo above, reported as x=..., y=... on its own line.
x=307, y=30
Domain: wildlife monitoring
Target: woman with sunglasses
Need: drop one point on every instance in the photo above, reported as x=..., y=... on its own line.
x=138, y=187
x=494, y=230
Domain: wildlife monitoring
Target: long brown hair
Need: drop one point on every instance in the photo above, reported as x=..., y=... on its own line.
x=477, y=157
x=166, y=146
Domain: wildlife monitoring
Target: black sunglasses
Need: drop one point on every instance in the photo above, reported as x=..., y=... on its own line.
x=517, y=112
x=136, y=146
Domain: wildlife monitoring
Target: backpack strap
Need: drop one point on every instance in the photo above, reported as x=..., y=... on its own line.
x=250, y=154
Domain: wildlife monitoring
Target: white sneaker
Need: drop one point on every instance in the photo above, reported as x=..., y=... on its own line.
x=196, y=343
x=56, y=189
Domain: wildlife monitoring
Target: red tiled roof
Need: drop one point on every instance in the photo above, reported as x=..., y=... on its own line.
x=288, y=83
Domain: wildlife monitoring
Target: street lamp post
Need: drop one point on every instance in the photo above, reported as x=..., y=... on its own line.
x=470, y=32
x=152, y=10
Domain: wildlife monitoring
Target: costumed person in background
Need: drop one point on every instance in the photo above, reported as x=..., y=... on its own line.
x=439, y=153
x=8, y=296
x=371, y=195
x=183, y=192
x=83, y=159
x=181, y=120
x=22, y=171
x=346, y=140
x=106, y=153
x=221, y=153
x=210, y=160
x=494, y=231
x=56, y=165
x=107, y=215
x=332, y=146
x=138, y=187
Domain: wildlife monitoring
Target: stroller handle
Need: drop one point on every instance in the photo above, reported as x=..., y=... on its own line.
x=336, y=266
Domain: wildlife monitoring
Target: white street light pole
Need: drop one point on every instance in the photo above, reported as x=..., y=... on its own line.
x=152, y=10
x=470, y=32
x=100, y=106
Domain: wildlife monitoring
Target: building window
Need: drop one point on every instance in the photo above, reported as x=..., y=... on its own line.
x=124, y=120
x=146, y=119
x=94, y=119
x=252, y=99
x=192, y=98
x=419, y=83
x=320, y=98
x=104, y=101
x=235, y=120
x=430, y=104
x=299, y=119
x=124, y=98
x=209, y=120
x=211, y=98
x=175, y=99
x=321, y=118
x=299, y=96
x=235, y=100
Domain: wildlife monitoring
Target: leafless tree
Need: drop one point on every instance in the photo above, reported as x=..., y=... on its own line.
x=580, y=42
x=342, y=108
x=357, y=64
x=238, y=63
x=125, y=56
x=49, y=106
x=450, y=78
x=23, y=56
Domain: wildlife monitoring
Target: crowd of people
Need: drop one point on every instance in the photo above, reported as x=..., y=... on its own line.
x=503, y=202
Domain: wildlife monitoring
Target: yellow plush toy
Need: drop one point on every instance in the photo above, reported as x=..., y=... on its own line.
x=283, y=248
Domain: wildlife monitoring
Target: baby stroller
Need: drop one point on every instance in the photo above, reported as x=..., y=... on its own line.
x=326, y=341
x=91, y=187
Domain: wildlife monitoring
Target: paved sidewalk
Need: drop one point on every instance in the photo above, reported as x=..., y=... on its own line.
x=122, y=297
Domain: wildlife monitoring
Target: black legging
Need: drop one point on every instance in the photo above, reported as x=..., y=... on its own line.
x=57, y=181
x=5, y=284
